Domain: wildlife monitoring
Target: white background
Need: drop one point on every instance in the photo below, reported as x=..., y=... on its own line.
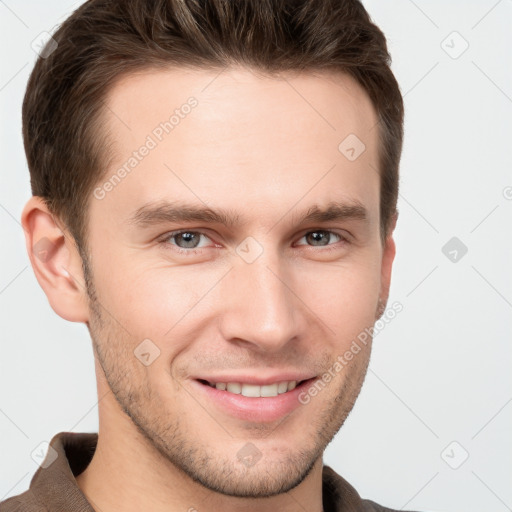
x=440, y=371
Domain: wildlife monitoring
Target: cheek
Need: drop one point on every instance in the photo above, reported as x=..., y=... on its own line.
x=154, y=302
x=343, y=295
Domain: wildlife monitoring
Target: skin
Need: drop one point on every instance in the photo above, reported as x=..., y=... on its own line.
x=267, y=151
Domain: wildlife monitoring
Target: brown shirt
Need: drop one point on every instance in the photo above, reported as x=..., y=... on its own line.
x=53, y=487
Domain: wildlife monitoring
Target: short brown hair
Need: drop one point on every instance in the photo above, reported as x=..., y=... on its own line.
x=103, y=40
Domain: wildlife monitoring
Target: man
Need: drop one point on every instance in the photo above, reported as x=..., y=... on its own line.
x=215, y=189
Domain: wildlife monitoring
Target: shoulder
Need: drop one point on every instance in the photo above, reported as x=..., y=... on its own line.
x=371, y=506
x=24, y=502
x=339, y=495
x=53, y=486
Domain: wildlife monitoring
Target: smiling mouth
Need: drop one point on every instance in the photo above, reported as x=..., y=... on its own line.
x=255, y=391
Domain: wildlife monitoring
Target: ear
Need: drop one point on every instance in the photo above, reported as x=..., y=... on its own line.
x=56, y=261
x=388, y=255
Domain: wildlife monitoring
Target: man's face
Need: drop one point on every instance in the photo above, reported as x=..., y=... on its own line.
x=265, y=299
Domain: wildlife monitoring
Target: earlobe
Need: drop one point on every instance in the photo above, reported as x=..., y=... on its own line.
x=55, y=260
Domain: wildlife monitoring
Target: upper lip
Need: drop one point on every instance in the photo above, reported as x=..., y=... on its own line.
x=256, y=380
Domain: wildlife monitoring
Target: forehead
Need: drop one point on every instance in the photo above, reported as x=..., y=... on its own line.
x=234, y=135
x=332, y=100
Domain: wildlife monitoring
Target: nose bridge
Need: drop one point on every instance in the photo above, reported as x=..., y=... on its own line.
x=261, y=308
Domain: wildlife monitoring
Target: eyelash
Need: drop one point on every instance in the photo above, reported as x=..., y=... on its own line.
x=164, y=241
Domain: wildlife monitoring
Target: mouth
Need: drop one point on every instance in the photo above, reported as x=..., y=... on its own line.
x=254, y=390
x=251, y=402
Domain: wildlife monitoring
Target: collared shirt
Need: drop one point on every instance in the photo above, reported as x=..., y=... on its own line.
x=53, y=487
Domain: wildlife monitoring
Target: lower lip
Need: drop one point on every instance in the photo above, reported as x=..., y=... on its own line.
x=253, y=408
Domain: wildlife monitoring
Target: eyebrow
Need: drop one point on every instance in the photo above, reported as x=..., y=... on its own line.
x=154, y=213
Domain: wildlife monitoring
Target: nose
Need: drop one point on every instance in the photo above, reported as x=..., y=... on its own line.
x=261, y=308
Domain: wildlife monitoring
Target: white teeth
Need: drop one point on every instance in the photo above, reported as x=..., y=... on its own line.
x=269, y=390
x=234, y=387
x=252, y=390
x=282, y=387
